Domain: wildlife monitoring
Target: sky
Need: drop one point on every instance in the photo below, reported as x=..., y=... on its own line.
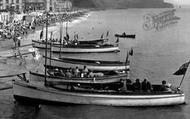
x=179, y=2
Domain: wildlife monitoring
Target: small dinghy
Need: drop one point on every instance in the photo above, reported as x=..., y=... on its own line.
x=124, y=35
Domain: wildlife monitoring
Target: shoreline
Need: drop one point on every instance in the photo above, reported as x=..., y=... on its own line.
x=74, y=15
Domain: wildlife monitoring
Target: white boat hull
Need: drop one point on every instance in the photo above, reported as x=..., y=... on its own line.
x=59, y=63
x=27, y=91
x=56, y=48
x=85, y=50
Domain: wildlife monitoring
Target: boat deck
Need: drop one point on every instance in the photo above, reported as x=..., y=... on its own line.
x=76, y=89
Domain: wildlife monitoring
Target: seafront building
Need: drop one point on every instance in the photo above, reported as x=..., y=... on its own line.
x=33, y=5
x=15, y=5
x=8, y=8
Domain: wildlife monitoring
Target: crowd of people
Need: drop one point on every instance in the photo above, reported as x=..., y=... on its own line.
x=75, y=72
x=137, y=86
x=145, y=86
x=29, y=23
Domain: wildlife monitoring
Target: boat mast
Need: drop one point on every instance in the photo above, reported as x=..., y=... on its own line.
x=46, y=48
x=61, y=32
x=127, y=70
x=51, y=37
x=66, y=23
x=67, y=19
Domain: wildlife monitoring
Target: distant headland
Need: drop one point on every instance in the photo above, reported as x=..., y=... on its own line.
x=121, y=4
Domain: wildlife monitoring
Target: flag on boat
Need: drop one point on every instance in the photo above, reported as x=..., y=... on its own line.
x=182, y=70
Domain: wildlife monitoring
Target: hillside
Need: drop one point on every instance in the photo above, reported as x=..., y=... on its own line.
x=121, y=4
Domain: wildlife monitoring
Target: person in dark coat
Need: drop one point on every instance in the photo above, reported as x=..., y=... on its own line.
x=146, y=86
x=137, y=85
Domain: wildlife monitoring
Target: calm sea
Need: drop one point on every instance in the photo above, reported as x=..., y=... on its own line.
x=157, y=55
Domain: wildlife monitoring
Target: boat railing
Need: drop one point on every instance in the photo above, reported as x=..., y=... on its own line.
x=156, y=88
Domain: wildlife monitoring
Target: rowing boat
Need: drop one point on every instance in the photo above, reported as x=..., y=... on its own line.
x=125, y=35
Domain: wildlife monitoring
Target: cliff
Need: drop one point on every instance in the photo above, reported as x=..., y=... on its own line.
x=121, y=4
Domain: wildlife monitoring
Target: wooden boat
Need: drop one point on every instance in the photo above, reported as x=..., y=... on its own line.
x=37, y=93
x=124, y=35
x=98, y=41
x=97, y=65
x=59, y=77
x=41, y=44
x=85, y=48
x=40, y=92
x=80, y=48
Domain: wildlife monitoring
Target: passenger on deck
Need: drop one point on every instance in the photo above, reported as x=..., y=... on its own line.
x=82, y=75
x=128, y=81
x=71, y=70
x=91, y=74
x=85, y=71
x=56, y=72
x=146, y=86
x=149, y=86
x=165, y=86
x=129, y=84
x=137, y=85
x=64, y=42
x=62, y=73
x=124, y=34
x=76, y=72
x=75, y=42
x=68, y=73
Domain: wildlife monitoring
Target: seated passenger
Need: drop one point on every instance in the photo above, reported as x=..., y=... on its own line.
x=50, y=72
x=71, y=70
x=128, y=81
x=146, y=86
x=137, y=85
x=68, y=74
x=75, y=42
x=76, y=72
x=62, y=73
x=82, y=75
x=85, y=71
x=56, y=72
x=91, y=74
x=129, y=85
x=165, y=86
x=149, y=86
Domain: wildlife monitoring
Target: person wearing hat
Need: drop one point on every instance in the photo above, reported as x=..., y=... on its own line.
x=165, y=86
x=146, y=86
x=137, y=85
